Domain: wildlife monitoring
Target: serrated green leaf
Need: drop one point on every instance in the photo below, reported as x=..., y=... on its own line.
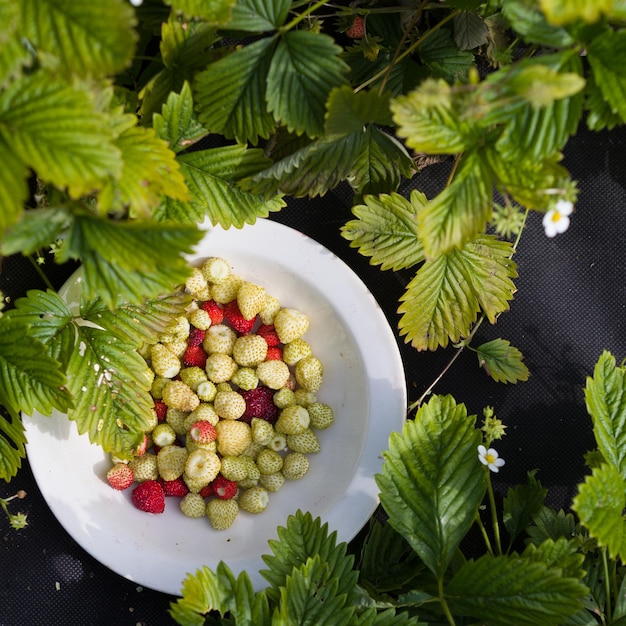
x=110, y=383
x=305, y=68
x=443, y=57
x=95, y=38
x=600, y=115
x=213, y=178
x=461, y=210
x=502, y=361
x=177, y=124
x=13, y=56
x=470, y=31
x=9, y=16
x=55, y=128
x=214, y=12
x=30, y=380
x=605, y=398
x=521, y=505
x=12, y=440
x=444, y=297
x=607, y=58
x=257, y=16
x=231, y=93
x=388, y=617
x=187, y=46
x=13, y=187
x=302, y=538
x=427, y=119
x=526, y=19
x=37, y=229
x=119, y=257
x=349, y=112
x=386, y=230
x=550, y=524
x=562, y=553
x=561, y=12
x=541, y=85
x=513, y=591
x=600, y=504
x=431, y=482
x=137, y=324
x=149, y=171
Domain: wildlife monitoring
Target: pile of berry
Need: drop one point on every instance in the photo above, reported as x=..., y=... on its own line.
x=235, y=407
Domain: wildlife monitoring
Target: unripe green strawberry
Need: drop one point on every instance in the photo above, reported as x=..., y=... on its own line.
x=290, y=324
x=177, y=347
x=192, y=445
x=229, y=405
x=292, y=420
x=251, y=467
x=296, y=350
x=205, y=411
x=158, y=384
x=269, y=462
x=321, y=415
x=194, y=485
x=305, y=442
x=220, y=367
x=202, y=465
x=270, y=309
x=196, y=284
x=199, y=318
x=206, y=391
x=219, y=338
x=272, y=482
x=178, y=395
x=178, y=329
x=222, y=513
x=163, y=435
x=193, y=505
x=295, y=466
x=249, y=350
x=278, y=442
x=250, y=299
x=309, y=373
x=304, y=397
x=215, y=270
x=193, y=376
x=144, y=467
x=171, y=462
x=247, y=483
x=254, y=500
x=176, y=419
x=284, y=397
x=234, y=468
x=262, y=431
x=163, y=362
x=226, y=291
x=273, y=374
x=233, y=437
x=253, y=450
x=245, y=378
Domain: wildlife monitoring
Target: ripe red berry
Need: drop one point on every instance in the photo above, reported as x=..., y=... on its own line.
x=160, y=409
x=196, y=337
x=177, y=488
x=148, y=496
x=223, y=488
x=268, y=332
x=207, y=491
x=120, y=476
x=357, y=29
x=214, y=310
x=233, y=316
x=259, y=403
x=203, y=432
x=195, y=356
x=274, y=353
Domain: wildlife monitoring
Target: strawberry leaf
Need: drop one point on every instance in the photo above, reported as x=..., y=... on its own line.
x=12, y=440
x=561, y=12
x=502, y=361
x=444, y=58
x=386, y=230
x=607, y=55
x=214, y=12
x=348, y=112
x=13, y=187
x=37, y=229
x=14, y=56
x=259, y=15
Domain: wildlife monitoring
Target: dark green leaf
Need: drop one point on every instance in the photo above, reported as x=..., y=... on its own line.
x=431, y=482
x=231, y=93
x=607, y=57
x=443, y=57
x=521, y=504
x=349, y=112
x=37, y=229
x=502, y=361
x=549, y=524
x=600, y=114
x=305, y=68
x=526, y=18
x=187, y=47
x=513, y=591
x=257, y=16
x=562, y=553
x=386, y=230
x=12, y=440
x=470, y=31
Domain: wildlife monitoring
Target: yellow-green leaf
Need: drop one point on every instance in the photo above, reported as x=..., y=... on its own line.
x=560, y=12
x=214, y=12
x=13, y=188
x=502, y=361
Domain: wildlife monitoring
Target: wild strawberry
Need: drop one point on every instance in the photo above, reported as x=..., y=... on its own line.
x=254, y=500
x=245, y=378
x=229, y=404
x=163, y=435
x=220, y=367
x=214, y=310
x=271, y=308
x=194, y=356
x=321, y=415
x=149, y=497
x=296, y=350
x=193, y=505
x=202, y=432
x=202, y=465
x=268, y=332
x=233, y=316
x=249, y=350
x=290, y=324
x=269, y=461
x=224, y=488
x=160, y=409
x=309, y=373
x=250, y=300
x=262, y=432
x=215, y=270
x=226, y=291
x=144, y=467
x=196, y=337
x=233, y=437
x=171, y=462
x=295, y=466
x=292, y=420
x=259, y=403
x=143, y=446
x=207, y=491
x=174, y=488
x=272, y=482
x=222, y=513
x=179, y=396
x=305, y=442
x=274, y=353
x=199, y=320
x=357, y=29
x=219, y=338
x=234, y=468
x=164, y=362
x=120, y=476
x=273, y=374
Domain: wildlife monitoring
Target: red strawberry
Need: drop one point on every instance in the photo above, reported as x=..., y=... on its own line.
x=161, y=410
x=177, y=488
x=214, y=310
x=148, y=496
x=274, y=353
x=120, y=476
x=196, y=337
x=223, y=488
x=203, y=432
x=142, y=447
x=195, y=356
x=357, y=29
x=259, y=403
x=268, y=332
x=233, y=316
x=207, y=491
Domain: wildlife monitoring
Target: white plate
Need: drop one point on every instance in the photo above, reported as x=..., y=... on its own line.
x=363, y=382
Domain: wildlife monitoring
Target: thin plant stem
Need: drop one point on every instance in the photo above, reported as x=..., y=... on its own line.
x=483, y=532
x=608, y=608
x=494, y=513
x=296, y=20
x=41, y=273
x=444, y=604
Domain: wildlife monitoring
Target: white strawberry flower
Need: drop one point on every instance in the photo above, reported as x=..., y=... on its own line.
x=556, y=220
x=490, y=458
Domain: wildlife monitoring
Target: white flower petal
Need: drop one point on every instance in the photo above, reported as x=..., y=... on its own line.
x=564, y=207
x=482, y=450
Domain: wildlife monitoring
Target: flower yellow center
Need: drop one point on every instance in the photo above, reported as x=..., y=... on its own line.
x=556, y=216
x=490, y=458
